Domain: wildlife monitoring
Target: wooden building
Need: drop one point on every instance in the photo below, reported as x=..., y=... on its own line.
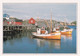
x=31, y=21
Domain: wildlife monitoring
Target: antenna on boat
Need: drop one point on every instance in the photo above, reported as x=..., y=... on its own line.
x=65, y=21
x=51, y=20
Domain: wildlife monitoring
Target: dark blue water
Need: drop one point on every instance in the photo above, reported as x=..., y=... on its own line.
x=25, y=43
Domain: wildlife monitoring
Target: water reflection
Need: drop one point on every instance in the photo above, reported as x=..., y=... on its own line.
x=56, y=44
x=17, y=37
x=67, y=37
x=25, y=43
x=50, y=43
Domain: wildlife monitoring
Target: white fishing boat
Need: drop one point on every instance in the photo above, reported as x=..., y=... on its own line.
x=46, y=35
x=42, y=33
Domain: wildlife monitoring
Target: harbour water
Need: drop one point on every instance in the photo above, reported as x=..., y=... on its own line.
x=23, y=42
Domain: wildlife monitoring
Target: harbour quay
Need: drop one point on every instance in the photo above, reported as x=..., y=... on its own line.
x=13, y=29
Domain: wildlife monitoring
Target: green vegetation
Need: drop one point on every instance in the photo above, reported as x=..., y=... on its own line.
x=17, y=20
x=74, y=22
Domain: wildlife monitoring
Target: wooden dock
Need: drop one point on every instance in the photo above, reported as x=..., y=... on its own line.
x=13, y=29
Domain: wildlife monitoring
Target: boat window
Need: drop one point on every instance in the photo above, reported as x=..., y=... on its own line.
x=52, y=34
x=42, y=29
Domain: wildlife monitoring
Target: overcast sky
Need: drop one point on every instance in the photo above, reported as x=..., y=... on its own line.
x=28, y=10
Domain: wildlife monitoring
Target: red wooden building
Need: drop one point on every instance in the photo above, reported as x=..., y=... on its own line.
x=18, y=23
x=15, y=23
x=31, y=21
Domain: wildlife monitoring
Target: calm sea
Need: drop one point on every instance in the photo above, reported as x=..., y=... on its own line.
x=24, y=43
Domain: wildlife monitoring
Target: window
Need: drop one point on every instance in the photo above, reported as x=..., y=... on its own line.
x=31, y=21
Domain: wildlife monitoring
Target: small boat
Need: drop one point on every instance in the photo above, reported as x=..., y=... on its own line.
x=66, y=31
x=45, y=35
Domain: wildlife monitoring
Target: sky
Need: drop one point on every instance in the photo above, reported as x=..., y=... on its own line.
x=41, y=11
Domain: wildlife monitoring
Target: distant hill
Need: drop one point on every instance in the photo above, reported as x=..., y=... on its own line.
x=74, y=22
x=16, y=19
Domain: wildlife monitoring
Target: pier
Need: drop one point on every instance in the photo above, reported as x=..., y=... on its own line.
x=13, y=29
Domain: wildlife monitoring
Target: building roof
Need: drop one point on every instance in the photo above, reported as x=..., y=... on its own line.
x=31, y=21
x=6, y=15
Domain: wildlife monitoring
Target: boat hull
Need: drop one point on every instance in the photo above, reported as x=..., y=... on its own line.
x=48, y=37
x=66, y=33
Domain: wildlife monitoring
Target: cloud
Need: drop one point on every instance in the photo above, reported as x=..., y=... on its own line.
x=27, y=10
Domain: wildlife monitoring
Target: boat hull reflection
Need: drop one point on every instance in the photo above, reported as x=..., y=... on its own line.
x=56, y=44
x=67, y=36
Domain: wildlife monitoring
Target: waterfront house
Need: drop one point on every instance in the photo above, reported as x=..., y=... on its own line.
x=31, y=21
x=7, y=20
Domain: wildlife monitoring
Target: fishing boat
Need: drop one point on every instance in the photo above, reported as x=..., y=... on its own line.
x=66, y=30
x=46, y=35
x=42, y=33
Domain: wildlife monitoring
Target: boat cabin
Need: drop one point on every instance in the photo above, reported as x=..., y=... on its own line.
x=41, y=31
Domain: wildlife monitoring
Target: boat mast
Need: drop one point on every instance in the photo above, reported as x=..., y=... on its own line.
x=65, y=22
x=47, y=23
x=51, y=20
